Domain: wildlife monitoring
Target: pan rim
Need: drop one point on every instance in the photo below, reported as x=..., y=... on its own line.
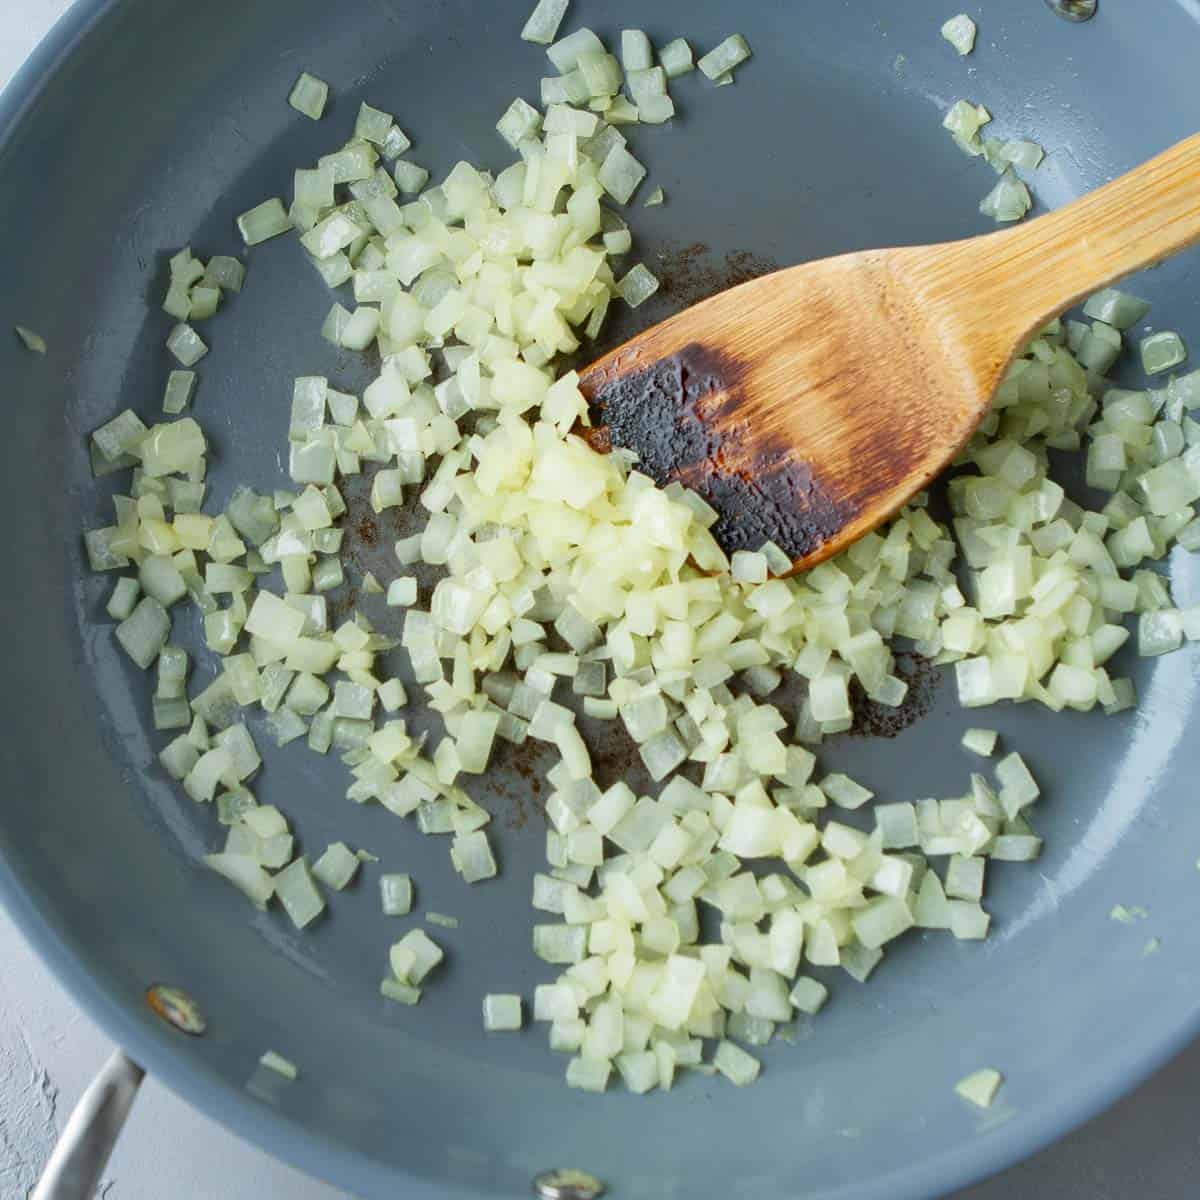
x=1092, y=1092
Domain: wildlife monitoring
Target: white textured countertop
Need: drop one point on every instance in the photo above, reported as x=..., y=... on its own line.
x=1148, y=1146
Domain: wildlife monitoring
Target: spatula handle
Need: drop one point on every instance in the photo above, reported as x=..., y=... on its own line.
x=1019, y=278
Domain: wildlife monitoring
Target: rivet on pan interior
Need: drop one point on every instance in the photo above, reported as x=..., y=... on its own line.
x=566, y=1183
x=177, y=1008
x=1073, y=10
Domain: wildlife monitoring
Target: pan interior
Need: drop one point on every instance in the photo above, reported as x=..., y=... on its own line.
x=162, y=123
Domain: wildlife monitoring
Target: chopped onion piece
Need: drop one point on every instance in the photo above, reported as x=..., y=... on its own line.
x=732, y=1061
x=882, y=920
x=1009, y=200
x=144, y=632
x=186, y=345
x=960, y=31
x=267, y=220
x=964, y=120
x=279, y=1064
x=410, y=178
x=723, y=58
x=1024, y=155
x=472, y=857
x=1116, y=308
x=245, y=874
x=980, y=1087
x=808, y=995
x=637, y=286
x=1159, y=633
x=542, y=25
x=402, y=592
x=502, y=1013
x=123, y=599
x=967, y=921
x=636, y=52
x=337, y=866
x=298, y=894
x=588, y=1075
x=402, y=993
x=675, y=58
x=309, y=95
x=1161, y=351
x=32, y=341
x=559, y=943
x=226, y=272
x=620, y=174
x=374, y=125
x=844, y=791
x=396, y=895
x=414, y=956
x=980, y=741
x=178, y=394
x=566, y=53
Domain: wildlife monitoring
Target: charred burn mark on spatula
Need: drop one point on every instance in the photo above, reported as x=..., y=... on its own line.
x=778, y=502
x=683, y=415
x=667, y=411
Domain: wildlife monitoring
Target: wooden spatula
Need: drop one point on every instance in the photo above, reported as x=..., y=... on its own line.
x=807, y=406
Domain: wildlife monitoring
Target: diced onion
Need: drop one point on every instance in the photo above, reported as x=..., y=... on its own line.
x=542, y=25
x=675, y=58
x=547, y=586
x=636, y=51
x=186, y=345
x=402, y=993
x=298, y=894
x=267, y=220
x=959, y=31
x=245, y=874
x=280, y=1065
x=178, y=394
x=336, y=867
x=620, y=174
x=964, y=120
x=501, y=1013
x=566, y=53
x=32, y=341
x=414, y=956
x=144, y=632
x=1161, y=351
x=1009, y=200
x=980, y=741
x=637, y=286
x=396, y=894
x=471, y=854
x=980, y=1087
x=309, y=96
x=1116, y=308
x=735, y=1064
x=723, y=58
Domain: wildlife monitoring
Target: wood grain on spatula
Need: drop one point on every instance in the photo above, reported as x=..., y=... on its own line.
x=807, y=406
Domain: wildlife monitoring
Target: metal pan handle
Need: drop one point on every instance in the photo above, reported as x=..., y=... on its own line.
x=79, y=1159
